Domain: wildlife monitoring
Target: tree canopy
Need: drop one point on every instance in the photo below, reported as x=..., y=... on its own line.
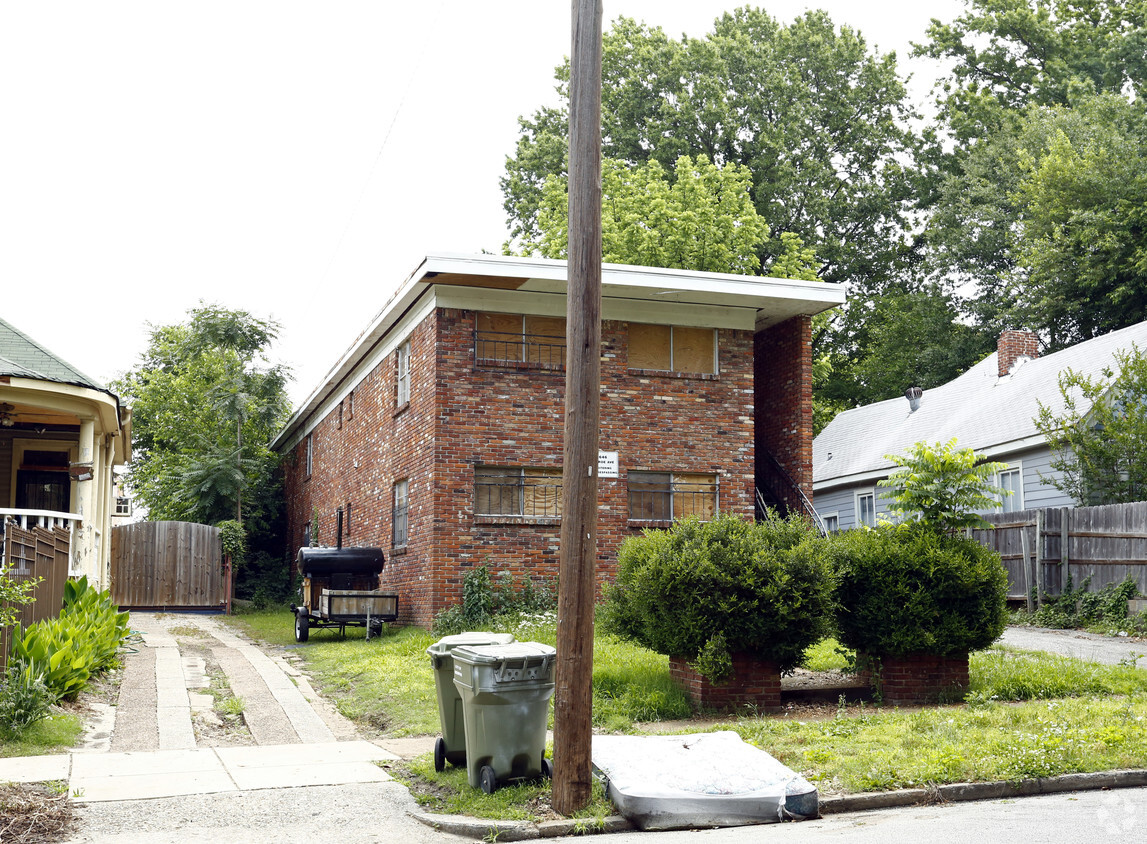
x=205, y=404
x=701, y=220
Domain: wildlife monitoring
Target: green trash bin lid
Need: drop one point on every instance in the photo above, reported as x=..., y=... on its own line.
x=512, y=662
x=448, y=643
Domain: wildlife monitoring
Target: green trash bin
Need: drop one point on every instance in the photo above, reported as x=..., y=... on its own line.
x=451, y=745
x=506, y=691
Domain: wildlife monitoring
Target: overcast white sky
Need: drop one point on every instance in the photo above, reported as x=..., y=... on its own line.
x=293, y=159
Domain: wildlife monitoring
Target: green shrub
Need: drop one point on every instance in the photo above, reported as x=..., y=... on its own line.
x=23, y=701
x=1080, y=607
x=484, y=601
x=905, y=589
x=64, y=652
x=764, y=587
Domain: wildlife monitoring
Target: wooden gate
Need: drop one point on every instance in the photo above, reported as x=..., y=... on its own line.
x=167, y=565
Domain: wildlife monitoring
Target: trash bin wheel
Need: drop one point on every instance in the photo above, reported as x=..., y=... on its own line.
x=440, y=754
x=489, y=781
x=547, y=767
x=302, y=625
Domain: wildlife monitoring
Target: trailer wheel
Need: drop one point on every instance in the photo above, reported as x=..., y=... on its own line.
x=489, y=780
x=440, y=754
x=302, y=625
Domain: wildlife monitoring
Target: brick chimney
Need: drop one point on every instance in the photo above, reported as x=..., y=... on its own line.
x=1014, y=344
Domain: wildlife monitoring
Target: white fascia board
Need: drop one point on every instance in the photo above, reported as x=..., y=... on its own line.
x=554, y=304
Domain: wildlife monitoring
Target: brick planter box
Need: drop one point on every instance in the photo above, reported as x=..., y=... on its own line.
x=755, y=682
x=916, y=679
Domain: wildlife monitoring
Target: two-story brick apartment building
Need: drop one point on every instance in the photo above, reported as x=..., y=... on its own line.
x=438, y=435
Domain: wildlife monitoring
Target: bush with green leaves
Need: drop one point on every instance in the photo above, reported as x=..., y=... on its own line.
x=909, y=589
x=65, y=651
x=1080, y=607
x=942, y=486
x=765, y=588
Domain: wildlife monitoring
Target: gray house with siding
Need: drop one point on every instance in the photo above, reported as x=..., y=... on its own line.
x=991, y=408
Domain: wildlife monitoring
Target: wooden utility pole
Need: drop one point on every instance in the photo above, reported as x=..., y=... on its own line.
x=573, y=698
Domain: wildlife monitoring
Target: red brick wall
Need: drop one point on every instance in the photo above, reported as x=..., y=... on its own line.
x=920, y=678
x=783, y=387
x=461, y=416
x=755, y=683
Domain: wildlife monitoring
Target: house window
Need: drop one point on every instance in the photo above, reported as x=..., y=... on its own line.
x=310, y=450
x=517, y=491
x=520, y=338
x=401, y=512
x=306, y=543
x=673, y=348
x=866, y=509
x=664, y=496
x=339, y=425
x=831, y=522
x=402, y=367
x=122, y=506
x=350, y=405
x=1011, y=479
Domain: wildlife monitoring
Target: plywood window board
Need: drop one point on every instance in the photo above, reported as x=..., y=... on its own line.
x=672, y=348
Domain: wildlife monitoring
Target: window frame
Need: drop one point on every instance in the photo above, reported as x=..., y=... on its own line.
x=1017, y=498
x=402, y=361
x=400, y=514
x=526, y=359
x=673, y=368
x=517, y=490
x=309, y=454
x=858, y=497
x=665, y=510
x=835, y=518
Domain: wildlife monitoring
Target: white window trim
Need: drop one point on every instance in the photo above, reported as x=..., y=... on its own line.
x=402, y=374
x=310, y=451
x=859, y=494
x=402, y=485
x=1018, y=498
x=824, y=517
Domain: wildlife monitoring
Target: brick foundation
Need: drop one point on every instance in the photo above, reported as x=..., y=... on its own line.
x=920, y=678
x=755, y=682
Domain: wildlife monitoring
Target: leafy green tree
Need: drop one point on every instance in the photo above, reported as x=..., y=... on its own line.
x=942, y=486
x=702, y=220
x=205, y=404
x=1099, y=438
x=1083, y=225
x=1011, y=54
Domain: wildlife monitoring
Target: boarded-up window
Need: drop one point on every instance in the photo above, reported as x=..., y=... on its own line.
x=672, y=348
x=650, y=346
x=500, y=336
x=545, y=339
x=662, y=496
x=512, y=338
x=694, y=495
x=515, y=491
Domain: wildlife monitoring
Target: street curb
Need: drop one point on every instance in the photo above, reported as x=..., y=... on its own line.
x=966, y=791
x=479, y=828
x=959, y=792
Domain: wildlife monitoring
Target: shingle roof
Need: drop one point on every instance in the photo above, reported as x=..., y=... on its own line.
x=23, y=357
x=979, y=409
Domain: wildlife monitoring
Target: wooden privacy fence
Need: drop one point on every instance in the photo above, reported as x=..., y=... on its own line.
x=167, y=565
x=28, y=554
x=1040, y=548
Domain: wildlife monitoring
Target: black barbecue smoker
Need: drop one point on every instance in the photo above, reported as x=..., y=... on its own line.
x=339, y=590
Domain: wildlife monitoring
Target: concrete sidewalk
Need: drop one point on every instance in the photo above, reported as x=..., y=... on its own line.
x=147, y=746
x=145, y=775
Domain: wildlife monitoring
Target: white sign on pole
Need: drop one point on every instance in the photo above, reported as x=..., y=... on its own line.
x=608, y=465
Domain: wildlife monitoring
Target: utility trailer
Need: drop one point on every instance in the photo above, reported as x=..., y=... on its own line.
x=338, y=591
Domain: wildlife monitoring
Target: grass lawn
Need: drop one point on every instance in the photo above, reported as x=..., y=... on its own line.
x=1026, y=715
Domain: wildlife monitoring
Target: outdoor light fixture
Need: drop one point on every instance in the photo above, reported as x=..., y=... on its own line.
x=6, y=417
